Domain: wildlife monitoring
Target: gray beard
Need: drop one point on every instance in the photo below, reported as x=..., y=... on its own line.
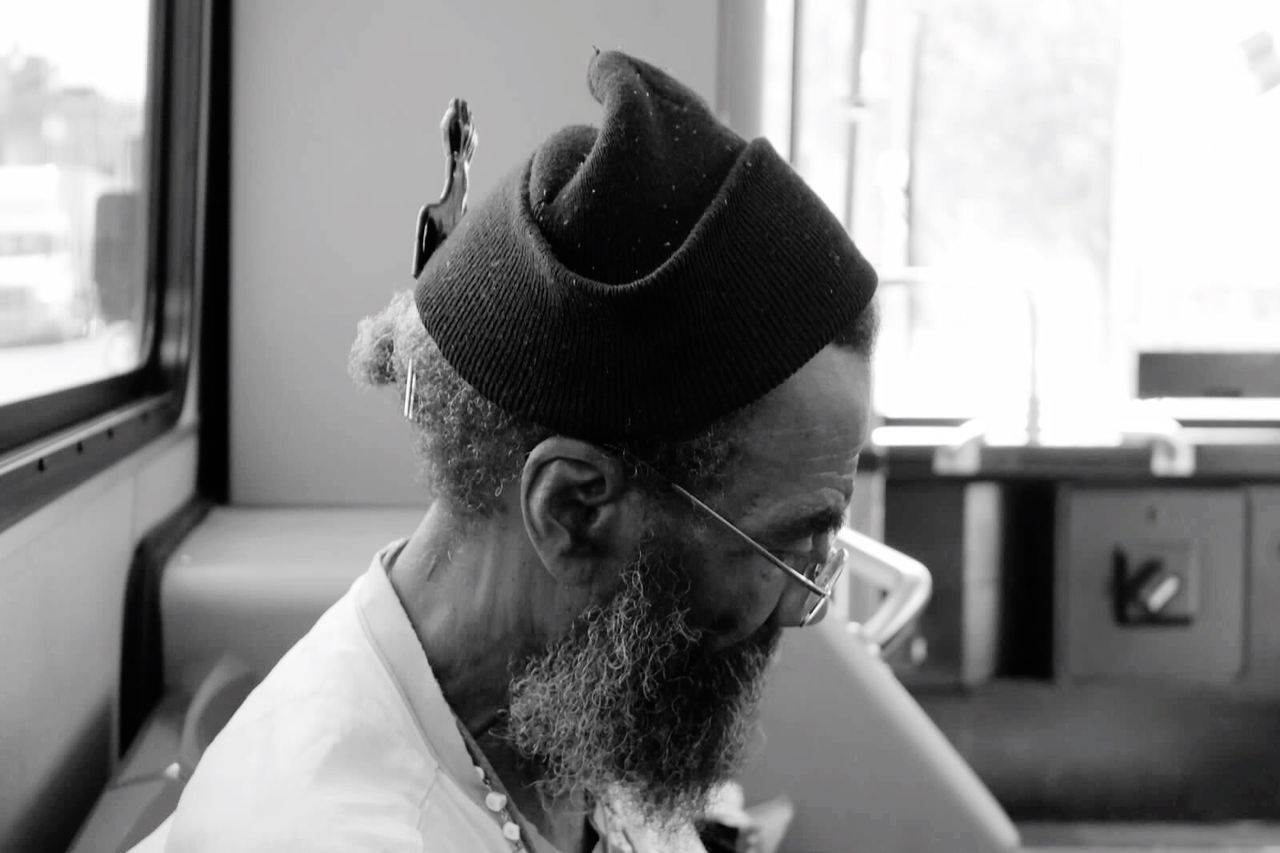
x=632, y=703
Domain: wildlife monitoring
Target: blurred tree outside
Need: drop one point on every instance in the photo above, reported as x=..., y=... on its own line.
x=1115, y=160
x=1014, y=132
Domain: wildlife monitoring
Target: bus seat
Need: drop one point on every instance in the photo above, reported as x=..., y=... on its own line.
x=248, y=583
x=864, y=765
x=136, y=806
x=240, y=590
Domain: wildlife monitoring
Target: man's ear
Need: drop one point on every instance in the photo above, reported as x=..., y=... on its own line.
x=579, y=509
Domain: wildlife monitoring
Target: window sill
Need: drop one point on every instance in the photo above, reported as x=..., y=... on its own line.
x=33, y=475
x=1222, y=453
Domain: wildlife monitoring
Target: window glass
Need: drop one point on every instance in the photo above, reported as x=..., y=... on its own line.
x=824, y=97
x=73, y=107
x=1093, y=177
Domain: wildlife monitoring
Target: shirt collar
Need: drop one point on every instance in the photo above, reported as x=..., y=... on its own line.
x=393, y=638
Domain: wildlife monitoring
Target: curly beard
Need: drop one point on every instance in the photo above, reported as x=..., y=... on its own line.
x=632, y=704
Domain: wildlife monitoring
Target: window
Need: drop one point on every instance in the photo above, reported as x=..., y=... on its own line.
x=106, y=112
x=73, y=115
x=1048, y=189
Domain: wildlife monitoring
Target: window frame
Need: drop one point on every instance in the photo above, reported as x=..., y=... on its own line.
x=52, y=443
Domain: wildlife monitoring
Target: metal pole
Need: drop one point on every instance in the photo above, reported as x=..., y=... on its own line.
x=797, y=52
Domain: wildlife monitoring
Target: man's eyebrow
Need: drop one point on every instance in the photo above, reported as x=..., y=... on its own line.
x=805, y=523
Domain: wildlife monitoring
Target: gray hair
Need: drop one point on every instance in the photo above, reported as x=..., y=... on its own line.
x=469, y=448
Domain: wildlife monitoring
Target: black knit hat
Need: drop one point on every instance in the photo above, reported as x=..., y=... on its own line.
x=640, y=281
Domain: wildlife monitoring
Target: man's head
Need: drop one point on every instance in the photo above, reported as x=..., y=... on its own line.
x=650, y=687
x=570, y=369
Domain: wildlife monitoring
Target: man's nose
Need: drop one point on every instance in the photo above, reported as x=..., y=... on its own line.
x=793, y=605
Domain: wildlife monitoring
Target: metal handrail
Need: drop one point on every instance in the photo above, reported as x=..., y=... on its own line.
x=906, y=580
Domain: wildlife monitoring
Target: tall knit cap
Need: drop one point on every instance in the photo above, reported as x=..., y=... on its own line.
x=640, y=281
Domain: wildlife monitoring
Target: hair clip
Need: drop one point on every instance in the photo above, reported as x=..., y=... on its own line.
x=436, y=221
x=410, y=389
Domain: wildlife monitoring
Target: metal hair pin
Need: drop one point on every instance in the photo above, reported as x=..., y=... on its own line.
x=410, y=389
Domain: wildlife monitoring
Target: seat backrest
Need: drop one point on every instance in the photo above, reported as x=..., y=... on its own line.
x=865, y=766
x=250, y=582
x=217, y=698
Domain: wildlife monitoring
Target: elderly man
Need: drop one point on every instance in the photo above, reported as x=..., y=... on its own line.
x=638, y=374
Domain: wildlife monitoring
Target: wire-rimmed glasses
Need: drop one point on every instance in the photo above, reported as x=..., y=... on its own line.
x=819, y=577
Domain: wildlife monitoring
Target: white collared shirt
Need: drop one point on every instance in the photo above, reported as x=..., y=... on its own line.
x=349, y=745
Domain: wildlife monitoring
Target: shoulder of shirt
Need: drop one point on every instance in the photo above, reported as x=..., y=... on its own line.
x=324, y=797
x=335, y=666
x=322, y=830
x=307, y=775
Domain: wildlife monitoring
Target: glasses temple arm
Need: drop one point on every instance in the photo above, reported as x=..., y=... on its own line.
x=728, y=525
x=748, y=541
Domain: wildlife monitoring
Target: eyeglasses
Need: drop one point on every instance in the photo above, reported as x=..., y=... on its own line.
x=819, y=577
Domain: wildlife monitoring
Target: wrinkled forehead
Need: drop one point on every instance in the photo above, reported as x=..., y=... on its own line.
x=805, y=435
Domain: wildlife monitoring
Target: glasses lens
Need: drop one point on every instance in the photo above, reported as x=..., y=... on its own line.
x=829, y=572
x=826, y=576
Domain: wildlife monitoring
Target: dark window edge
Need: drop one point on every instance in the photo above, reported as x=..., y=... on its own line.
x=213, y=467
x=47, y=414
x=142, y=683
x=38, y=474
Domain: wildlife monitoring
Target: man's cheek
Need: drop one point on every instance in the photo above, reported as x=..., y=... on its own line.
x=733, y=596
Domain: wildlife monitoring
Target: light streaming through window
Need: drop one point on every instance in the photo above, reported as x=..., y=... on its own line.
x=1110, y=163
x=73, y=107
